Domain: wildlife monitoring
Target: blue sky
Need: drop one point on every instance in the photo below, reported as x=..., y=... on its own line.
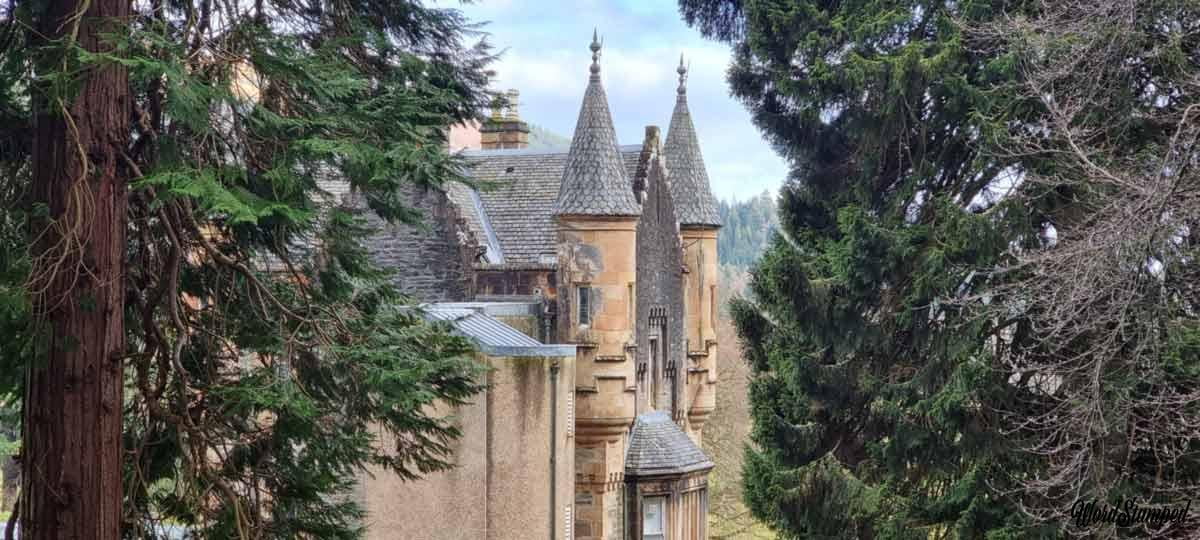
x=546, y=57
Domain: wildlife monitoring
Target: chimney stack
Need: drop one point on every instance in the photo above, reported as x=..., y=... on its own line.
x=505, y=130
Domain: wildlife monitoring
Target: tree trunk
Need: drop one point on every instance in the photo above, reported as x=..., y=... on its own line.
x=71, y=458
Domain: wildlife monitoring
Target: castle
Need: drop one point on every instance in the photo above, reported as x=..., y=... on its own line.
x=588, y=280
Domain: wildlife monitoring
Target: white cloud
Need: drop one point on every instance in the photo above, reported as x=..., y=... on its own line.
x=547, y=73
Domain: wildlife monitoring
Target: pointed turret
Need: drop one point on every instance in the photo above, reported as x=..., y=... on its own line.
x=689, y=179
x=594, y=182
x=597, y=216
x=699, y=223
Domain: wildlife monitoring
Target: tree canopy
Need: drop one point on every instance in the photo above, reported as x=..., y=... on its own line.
x=973, y=317
x=870, y=396
x=269, y=361
x=1107, y=327
x=746, y=228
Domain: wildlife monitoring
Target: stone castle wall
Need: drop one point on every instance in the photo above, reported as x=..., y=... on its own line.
x=433, y=261
x=659, y=291
x=500, y=487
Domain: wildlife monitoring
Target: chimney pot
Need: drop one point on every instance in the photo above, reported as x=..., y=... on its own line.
x=505, y=130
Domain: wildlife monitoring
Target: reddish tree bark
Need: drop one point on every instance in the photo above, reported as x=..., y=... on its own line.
x=71, y=459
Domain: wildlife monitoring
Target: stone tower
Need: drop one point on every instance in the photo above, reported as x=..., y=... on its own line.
x=596, y=215
x=698, y=226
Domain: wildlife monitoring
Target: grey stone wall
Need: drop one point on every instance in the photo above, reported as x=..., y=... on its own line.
x=659, y=285
x=431, y=261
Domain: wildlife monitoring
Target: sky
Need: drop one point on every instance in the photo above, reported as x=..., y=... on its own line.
x=545, y=56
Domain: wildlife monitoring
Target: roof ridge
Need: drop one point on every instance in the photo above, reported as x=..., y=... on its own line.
x=478, y=153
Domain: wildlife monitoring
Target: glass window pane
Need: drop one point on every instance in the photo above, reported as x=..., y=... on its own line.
x=653, y=520
x=585, y=308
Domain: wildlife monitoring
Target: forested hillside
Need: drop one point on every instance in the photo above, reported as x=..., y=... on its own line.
x=747, y=226
x=541, y=138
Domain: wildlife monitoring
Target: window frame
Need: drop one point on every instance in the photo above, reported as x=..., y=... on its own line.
x=664, y=526
x=654, y=369
x=583, y=303
x=712, y=306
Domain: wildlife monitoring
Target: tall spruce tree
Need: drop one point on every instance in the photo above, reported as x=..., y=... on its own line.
x=263, y=352
x=872, y=399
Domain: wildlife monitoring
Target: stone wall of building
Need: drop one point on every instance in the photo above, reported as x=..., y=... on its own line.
x=686, y=511
x=700, y=286
x=500, y=488
x=660, y=317
x=422, y=508
x=599, y=253
x=433, y=261
x=516, y=280
x=465, y=136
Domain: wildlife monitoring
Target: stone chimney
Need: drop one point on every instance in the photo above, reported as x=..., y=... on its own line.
x=505, y=130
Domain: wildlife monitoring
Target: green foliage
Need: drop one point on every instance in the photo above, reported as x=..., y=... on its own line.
x=869, y=392
x=269, y=362
x=541, y=138
x=746, y=229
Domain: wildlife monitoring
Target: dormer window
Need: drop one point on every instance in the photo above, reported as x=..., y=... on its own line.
x=585, y=305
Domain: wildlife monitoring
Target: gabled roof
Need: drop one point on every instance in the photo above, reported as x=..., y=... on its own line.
x=517, y=196
x=471, y=209
x=690, y=190
x=593, y=181
x=658, y=447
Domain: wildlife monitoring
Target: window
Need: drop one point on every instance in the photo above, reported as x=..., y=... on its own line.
x=654, y=520
x=712, y=304
x=585, y=305
x=653, y=401
x=632, y=304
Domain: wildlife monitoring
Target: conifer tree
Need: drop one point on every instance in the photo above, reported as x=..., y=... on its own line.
x=748, y=226
x=872, y=398
x=266, y=360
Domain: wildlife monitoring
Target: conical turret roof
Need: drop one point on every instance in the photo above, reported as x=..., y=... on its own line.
x=694, y=202
x=594, y=182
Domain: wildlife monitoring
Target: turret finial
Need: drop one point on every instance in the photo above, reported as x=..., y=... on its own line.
x=595, y=47
x=682, y=71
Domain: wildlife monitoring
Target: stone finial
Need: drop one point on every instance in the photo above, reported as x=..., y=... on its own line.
x=651, y=138
x=682, y=71
x=595, y=47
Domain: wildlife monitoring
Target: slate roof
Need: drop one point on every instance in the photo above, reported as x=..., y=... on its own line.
x=490, y=334
x=518, y=196
x=694, y=203
x=593, y=181
x=659, y=447
x=481, y=327
x=471, y=208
